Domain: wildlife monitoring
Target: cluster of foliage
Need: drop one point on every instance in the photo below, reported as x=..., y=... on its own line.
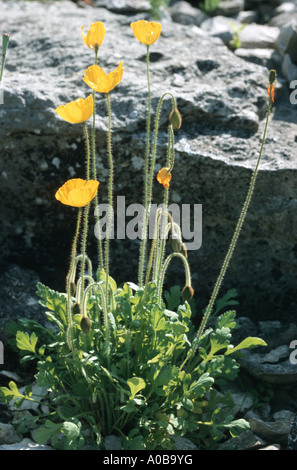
x=139, y=390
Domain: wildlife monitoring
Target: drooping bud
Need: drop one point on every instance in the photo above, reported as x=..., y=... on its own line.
x=175, y=242
x=85, y=324
x=175, y=118
x=76, y=309
x=187, y=293
x=72, y=288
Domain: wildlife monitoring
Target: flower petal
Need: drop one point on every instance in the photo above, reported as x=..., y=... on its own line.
x=147, y=32
x=77, y=111
x=77, y=192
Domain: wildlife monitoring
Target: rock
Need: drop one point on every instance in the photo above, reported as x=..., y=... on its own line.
x=25, y=444
x=254, y=36
x=276, y=333
x=292, y=437
x=125, y=6
x=183, y=13
x=8, y=434
x=17, y=295
x=246, y=441
x=223, y=100
x=229, y=7
x=284, y=18
x=220, y=27
x=281, y=373
x=268, y=57
x=284, y=415
x=271, y=431
x=246, y=17
x=289, y=69
x=272, y=447
x=287, y=40
x=183, y=443
x=275, y=355
x=113, y=442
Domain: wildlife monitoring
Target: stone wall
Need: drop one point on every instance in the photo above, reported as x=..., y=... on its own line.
x=222, y=97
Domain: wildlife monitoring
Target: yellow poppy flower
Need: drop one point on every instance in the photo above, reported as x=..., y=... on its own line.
x=95, y=35
x=164, y=177
x=147, y=32
x=77, y=111
x=77, y=192
x=99, y=81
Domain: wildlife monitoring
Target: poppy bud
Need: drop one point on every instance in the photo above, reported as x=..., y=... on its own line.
x=85, y=324
x=76, y=309
x=272, y=76
x=187, y=293
x=175, y=119
x=175, y=243
x=72, y=288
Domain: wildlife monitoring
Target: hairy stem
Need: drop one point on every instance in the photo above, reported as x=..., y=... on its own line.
x=69, y=333
x=146, y=169
x=110, y=200
x=94, y=169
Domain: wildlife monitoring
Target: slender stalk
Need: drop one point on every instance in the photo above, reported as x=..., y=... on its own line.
x=69, y=334
x=110, y=197
x=86, y=211
x=5, y=41
x=84, y=248
x=169, y=163
x=232, y=245
x=94, y=169
x=86, y=135
x=146, y=169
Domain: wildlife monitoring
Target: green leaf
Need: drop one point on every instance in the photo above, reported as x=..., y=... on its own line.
x=111, y=281
x=202, y=385
x=10, y=393
x=173, y=297
x=227, y=320
x=44, y=434
x=249, y=342
x=237, y=427
x=71, y=429
x=219, y=340
x=53, y=300
x=25, y=342
x=136, y=384
x=227, y=299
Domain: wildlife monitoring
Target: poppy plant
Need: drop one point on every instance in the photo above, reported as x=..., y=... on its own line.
x=164, y=177
x=147, y=32
x=95, y=36
x=77, y=192
x=77, y=111
x=101, y=82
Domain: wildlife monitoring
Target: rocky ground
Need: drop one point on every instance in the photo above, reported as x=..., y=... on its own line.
x=221, y=92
